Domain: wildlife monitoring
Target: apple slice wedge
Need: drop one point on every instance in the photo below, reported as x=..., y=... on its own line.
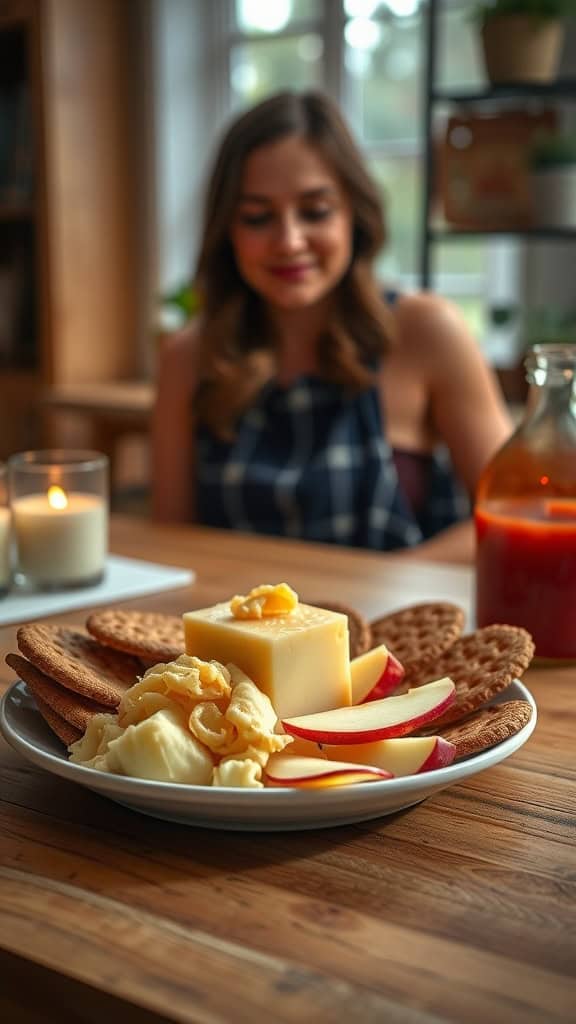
x=409, y=755
x=304, y=748
x=316, y=773
x=376, y=719
x=375, y=674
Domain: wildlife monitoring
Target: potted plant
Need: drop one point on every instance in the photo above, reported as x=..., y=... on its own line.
x=522, y=39
x=553, y=181
x=176, y=307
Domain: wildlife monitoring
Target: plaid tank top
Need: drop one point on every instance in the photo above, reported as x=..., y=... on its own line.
x=312, y=463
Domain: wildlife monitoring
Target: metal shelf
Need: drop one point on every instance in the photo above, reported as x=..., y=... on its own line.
x=544, y=234
x=560, y=89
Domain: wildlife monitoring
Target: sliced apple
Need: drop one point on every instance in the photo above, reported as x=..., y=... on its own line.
x=375, y=674
x=376, y=719
x=316, y=773
x=409, y=755
x=304, y=748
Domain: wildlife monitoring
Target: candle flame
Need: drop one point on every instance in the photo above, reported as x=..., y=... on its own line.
x=57, y=498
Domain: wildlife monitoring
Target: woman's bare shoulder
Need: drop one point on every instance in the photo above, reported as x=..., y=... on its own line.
x=423, y=316
x=434, y=334
x=178, y=354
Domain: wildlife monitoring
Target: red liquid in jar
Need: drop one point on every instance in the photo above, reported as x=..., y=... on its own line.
x=526, y=570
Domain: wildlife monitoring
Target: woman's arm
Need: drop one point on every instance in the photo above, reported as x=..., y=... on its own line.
x=466, y=408
x=455, y=545
x=465, y=404
x=173, y=448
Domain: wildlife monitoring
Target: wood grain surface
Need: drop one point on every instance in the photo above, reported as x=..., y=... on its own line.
x=461, y=909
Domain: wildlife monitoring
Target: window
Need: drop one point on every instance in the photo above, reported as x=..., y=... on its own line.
x=369, y=55
x=276, y=45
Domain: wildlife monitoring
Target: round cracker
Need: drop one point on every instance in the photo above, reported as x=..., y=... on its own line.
x=358, y=628
x=151, y=636
x=487, y=727
x=419, y=634
x=481, y=664
x=65, y=732
x=77, y=661
x=78, y=711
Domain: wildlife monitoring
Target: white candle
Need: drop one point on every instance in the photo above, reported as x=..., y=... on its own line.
x=4, y=547
x=60, y=538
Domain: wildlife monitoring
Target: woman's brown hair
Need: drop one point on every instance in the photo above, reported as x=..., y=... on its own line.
x=235, y=344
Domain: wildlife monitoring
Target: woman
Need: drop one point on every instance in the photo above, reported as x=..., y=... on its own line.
x=302, y=402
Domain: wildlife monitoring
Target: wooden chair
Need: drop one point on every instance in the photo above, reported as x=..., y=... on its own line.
x=107, y=413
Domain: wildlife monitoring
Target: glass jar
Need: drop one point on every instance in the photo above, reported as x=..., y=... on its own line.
x=525, y=513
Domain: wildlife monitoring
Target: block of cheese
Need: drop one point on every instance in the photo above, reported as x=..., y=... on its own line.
x=300, y=660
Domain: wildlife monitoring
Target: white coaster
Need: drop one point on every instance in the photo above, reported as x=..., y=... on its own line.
x=125, y=578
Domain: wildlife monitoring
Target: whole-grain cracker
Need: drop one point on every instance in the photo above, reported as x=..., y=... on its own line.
x=65, y=732
x=78, y=711
x=77, y=661
x=487, y=727
x=481, y=664
x=151, y=636
x=419, y=634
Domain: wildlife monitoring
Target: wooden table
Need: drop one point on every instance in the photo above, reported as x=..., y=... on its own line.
x=460, y=909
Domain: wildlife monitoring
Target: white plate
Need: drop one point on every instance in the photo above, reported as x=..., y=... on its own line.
x=245, y=809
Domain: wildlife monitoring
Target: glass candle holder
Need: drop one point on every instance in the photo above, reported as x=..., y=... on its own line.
x=59, y=502
x=5, y=533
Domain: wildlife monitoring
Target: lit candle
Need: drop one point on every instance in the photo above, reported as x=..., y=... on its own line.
x=61, y=538
x=4, y=548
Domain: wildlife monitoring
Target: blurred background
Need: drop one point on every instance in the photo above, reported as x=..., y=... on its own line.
x=109, y=114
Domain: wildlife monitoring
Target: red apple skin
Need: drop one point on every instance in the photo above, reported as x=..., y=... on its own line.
x=375, y=674
x=440, y=756
x=375, y=732
x=339, y=778
x=323, y=775
x=389, y=680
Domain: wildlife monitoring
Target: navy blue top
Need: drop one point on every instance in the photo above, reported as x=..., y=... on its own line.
x=310, y=462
